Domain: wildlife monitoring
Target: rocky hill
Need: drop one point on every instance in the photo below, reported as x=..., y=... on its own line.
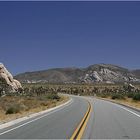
x=136, y=73
x=58, y=75
x=7, y=82
x=109, y=74
x=100, y=73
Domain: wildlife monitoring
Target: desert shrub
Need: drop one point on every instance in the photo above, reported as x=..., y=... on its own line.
x=44, y=104
x=136, y=97
x=104, y=95
x=117, y=96
x=130, y=95
x=13, y=109
x=53, y=96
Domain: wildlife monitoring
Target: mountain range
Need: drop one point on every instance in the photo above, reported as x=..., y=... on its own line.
x=97, y=73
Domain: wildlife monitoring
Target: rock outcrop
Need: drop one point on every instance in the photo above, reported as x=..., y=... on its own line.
x=108, y=73
x=98, y=73
x=7, y=79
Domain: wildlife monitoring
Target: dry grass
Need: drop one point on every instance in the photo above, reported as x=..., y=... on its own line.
x=126, y=101
x=26, y=106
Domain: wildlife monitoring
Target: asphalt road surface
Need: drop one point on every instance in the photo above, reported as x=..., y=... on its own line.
x=112, y=121
x=106, y=120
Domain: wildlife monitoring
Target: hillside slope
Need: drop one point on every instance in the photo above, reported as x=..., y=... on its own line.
x=136, y=73
x=59, y=75
x=106, y=73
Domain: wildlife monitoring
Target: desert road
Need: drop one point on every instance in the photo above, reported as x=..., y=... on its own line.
x=82, y=118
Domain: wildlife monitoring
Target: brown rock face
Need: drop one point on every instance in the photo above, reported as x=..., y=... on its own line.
x=8, y=79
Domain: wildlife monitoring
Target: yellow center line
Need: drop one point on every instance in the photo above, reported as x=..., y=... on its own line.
x=78, y=133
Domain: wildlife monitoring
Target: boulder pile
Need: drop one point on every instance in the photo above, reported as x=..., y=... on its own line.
x=7, y=81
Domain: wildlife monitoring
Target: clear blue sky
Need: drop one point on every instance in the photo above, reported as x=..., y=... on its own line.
x=42, y=35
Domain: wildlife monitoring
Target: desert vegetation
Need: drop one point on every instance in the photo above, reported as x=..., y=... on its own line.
x=30, y=99
x=40, y=96
x=118, y=92
x=114, y=91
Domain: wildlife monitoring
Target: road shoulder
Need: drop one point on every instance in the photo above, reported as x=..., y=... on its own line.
x=123, y=104
x=16, y=121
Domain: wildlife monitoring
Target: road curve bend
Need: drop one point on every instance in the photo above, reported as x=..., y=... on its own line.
x=58, y=124
x=84, y=118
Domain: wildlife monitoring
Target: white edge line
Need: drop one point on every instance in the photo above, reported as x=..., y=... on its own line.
x=55, y=110
x=124, y=108
x=129, y=111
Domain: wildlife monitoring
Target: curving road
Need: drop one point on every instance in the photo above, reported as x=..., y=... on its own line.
x=60, y=124
x=106, y=120
x=111, y=121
